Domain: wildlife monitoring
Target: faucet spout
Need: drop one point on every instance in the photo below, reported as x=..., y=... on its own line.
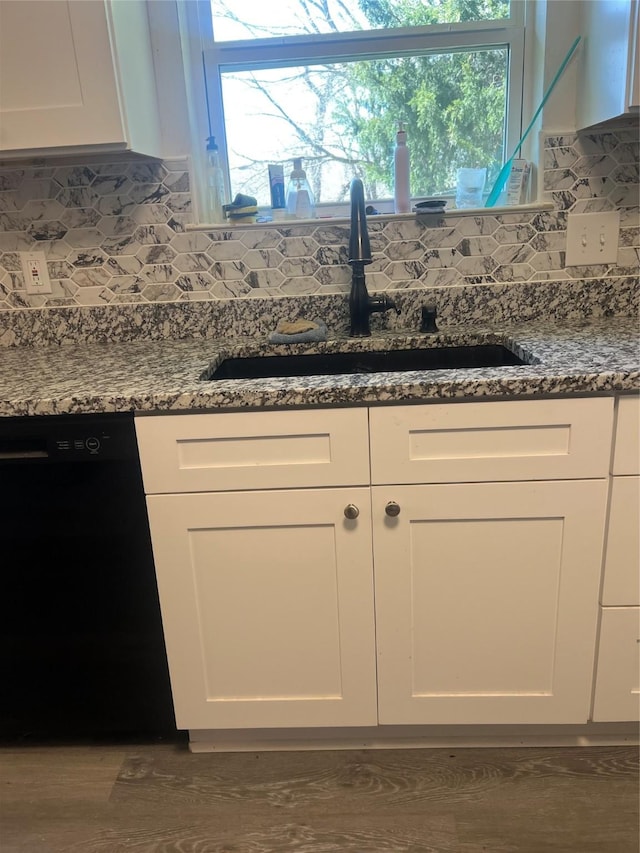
x=361, y=305
x=359, y=245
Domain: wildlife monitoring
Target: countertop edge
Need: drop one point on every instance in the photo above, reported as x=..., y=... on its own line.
x=145, y=377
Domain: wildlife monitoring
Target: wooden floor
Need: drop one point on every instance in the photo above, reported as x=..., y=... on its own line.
x=159, y=798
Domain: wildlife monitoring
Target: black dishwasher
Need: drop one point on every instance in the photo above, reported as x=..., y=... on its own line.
x=81, y=646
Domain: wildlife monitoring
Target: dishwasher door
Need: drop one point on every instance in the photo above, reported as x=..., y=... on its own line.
x=81, y=645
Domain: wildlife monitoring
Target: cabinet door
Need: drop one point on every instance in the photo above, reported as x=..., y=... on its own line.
x=609, y=84
x=617, y=693
x=621, y=585
x=486, y=601
x=267, y=605
x=58, y=84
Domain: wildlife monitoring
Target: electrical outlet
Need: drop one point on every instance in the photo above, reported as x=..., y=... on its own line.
x=592, y=238
x=36, y=274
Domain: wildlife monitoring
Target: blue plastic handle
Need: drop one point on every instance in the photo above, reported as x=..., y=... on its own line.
x=506, y=169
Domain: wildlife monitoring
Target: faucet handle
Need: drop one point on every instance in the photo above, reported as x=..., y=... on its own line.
x=429, y=313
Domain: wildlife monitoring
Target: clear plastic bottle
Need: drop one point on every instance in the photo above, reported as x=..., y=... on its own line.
x=215, y=196
x=401, y=195
x=300, y=200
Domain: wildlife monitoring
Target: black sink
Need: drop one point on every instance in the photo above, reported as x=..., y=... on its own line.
x=319, y=364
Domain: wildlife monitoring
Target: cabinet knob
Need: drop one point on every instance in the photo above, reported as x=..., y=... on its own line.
x=392, y=509
x=351, y=511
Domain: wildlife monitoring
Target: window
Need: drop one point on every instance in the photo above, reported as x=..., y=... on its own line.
x=330, y=81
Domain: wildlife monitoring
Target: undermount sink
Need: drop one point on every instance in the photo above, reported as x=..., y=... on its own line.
x=332, y=363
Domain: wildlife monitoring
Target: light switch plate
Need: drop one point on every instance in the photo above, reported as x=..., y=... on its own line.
x=592, y=238
x=36, y=274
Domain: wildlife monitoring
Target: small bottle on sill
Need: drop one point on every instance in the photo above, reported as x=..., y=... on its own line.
x=215, y=195
x=401, y=195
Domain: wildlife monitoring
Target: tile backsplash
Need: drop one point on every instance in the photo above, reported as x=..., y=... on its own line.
x=115, y=233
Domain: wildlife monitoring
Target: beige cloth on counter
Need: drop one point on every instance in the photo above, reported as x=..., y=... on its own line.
x=295, y=327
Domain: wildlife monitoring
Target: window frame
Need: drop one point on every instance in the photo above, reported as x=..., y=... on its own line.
x=288, y=51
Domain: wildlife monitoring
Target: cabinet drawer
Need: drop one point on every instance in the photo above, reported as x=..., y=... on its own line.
x=626, y=458
x=617, y=694
x=622, y=555
x=253, y=450
x=496, y=441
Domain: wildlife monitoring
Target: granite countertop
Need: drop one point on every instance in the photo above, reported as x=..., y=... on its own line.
x=583, y=357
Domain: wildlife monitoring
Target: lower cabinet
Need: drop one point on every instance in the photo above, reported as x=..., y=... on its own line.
x=617, y=683
x=486, y=601
x=267, y=605
x=354, y=593
x=485, y=604
x=617, y=693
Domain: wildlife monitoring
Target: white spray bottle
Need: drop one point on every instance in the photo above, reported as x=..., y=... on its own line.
x=401, y=195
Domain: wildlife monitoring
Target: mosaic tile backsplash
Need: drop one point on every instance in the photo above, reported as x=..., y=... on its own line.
x=115, y=233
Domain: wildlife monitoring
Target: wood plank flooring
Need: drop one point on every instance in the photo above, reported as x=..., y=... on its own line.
x=159, y=798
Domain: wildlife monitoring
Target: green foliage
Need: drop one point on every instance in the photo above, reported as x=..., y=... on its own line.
x=412, y=13
x=451, y=105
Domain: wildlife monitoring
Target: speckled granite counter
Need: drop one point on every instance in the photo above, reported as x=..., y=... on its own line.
x=585, y=357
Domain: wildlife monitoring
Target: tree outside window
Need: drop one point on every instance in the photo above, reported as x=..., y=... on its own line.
x=341, y=116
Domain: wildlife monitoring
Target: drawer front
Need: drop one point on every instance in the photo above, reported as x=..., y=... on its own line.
x=622, y=556
x=617, y=693
x=253, y=450
x=626, y=458
x=502, y=441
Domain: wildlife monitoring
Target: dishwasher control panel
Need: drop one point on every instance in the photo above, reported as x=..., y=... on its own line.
x=92, y=444
x=81, y=438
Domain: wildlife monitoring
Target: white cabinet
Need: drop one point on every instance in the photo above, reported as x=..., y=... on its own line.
x=617, y=694
x=267, y=606
x=486, y=593
x=609, y=73
x=617, y=687
x=622, y=556
x=76, y=76
x=256, y=450
x=267, y=596
x=484, y=442
x=486, y=601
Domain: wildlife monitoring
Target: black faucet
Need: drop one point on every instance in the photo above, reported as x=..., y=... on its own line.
x=361, y=305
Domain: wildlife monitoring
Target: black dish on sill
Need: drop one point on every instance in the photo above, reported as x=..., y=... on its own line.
x=332, y=363
x=430, y=205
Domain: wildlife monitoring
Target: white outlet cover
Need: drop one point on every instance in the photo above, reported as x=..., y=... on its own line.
x=592, y=238
x=36, y=274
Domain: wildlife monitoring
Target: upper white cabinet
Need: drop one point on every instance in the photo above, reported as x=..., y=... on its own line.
x=76, y=76
x=609, y=73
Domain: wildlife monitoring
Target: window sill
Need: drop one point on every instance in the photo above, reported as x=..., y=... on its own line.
x=382, y=217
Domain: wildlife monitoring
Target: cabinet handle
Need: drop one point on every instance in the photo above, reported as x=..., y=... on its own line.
x=351, y=511
x=392, y=509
